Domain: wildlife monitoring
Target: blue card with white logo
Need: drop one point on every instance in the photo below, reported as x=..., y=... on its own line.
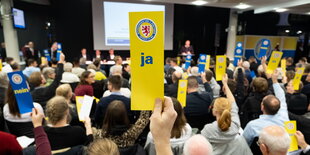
x=188, y=61
x=21, y=91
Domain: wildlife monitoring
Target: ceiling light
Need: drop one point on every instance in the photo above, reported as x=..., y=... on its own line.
x=299, y=32
x=287, y=31
x=280, y=9
x=242, y=6
x=308, y=13
x=199, y=2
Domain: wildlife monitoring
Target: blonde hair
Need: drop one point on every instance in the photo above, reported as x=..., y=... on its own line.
x=103, y=146
x=56, y=109
x=63, y=90
x=223, y=107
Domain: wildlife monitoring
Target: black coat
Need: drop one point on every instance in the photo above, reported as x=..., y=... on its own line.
x=297, y=103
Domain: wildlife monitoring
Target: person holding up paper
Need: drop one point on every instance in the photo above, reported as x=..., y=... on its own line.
x=11, y=113
x=302, y=143
x=85, y=87
x=297, y=102
x=60, y=133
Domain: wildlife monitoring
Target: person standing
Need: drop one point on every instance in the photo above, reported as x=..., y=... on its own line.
x=187, y=48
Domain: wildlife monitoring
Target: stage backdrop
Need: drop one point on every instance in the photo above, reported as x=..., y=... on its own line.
x=252, y=43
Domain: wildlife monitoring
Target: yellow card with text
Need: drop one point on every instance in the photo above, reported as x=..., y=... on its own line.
x=184, y=76
x=297, y=77
x=147, y=58
x=0, y=64
x=207, y=62
x=44, y=61
x=220, y=69
x=283, y=66
x=274, y=61
x=182, y=89
x=79, y=101
x=290, y=127
x=178, y=61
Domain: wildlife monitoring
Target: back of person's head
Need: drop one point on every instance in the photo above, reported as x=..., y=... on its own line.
x=236, y=72
x=180, y=121
x=192, y=82
x=57, y=109
x=246, y=65
x=15, y=66
x=47, y=72
x=197, y=145
x=8, y=60
x=115, y=82
x=232, y=84
x=4, y=81
x=173, y=61
x=176, y=76
x=168, y=59
x=227, y=62
x=194, y=71
x=303, y=60
x=290, y=75
x=82, y=61
x=117, y=70
x=117, y=58
x=260, y=85
x=31, y=62
x=103, y=146
x=76, y=62
x=271, y=105
x=35, y=79
x=290, y=60
x=274, y=140
x=97, y=62
x=84, y=77
x=11, y=101
x=209, y=75
x=54, y=61
x=116, y=115
x=221, y=109
x=68, y=67
x=64, y=90
x=91, y=66
x=307, y=68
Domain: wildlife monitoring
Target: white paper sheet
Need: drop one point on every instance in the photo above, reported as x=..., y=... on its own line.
x=86, y=107
x=24, y=141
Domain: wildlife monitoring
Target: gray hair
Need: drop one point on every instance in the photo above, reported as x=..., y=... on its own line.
x=47, y=71
x=197, y=145
x=194, y=71
x=246, y=64
x=236, y=72
x=68, y=67
x=275, y=138
x=116, y=69
x=4, y=81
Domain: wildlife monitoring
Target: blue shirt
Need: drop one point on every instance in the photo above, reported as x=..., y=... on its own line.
x=29, y=70
x=254, y=127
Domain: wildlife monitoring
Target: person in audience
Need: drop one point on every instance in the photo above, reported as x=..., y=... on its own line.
x=77, y=70
x=223, y=133
x=103, y=146
x=85, y=87
x=31, y=52
x=247, y=71
x=12, y=115
x=60, y=134
x=53, y=50
x=229, y=71
x=98, y=55
x=111, y=55
x=98, y=74
x=114, y=85
x=172, y=89
x=9, y=144
x=302, y=143
x=15, y=66
x=297, y=102
x=2, y=51
x=290, y=64
x=7, y=68
x=124, y=91
x=85, y=55
x=274, y=140
x=32, y=67
x=274, y=110
x=187, y=48
x=251, y=107
x=118, y=63
x=126, y=72
x=49, y=75
x=4, y=83
x=290, y=75
x=197, y=104
x=43, y=146
x=194, y=72
x=116, y=125
x=197, y=145
x=167, y=65
x=213, y=84
x=174, y=65
x=303, y=61
x=41, y=93
x=119, y=71
x=97, y=63
x=68, y=76
x=180, y=132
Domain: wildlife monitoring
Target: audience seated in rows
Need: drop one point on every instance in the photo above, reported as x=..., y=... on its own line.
x=85, y=87
x=68, y=76
x=32, y=67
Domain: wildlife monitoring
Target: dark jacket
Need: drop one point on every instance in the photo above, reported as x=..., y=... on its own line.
x=303, y=125
x=42, y=94
x=171, y=90
x=297, y=103
x=34, y=56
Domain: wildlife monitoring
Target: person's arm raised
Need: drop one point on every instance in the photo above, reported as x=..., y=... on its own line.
x=162, y=121
x=229, y=94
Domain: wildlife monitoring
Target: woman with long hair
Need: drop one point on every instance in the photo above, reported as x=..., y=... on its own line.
x=180, y=133
x=85, y=87
x=117, y=127
x=223, y=133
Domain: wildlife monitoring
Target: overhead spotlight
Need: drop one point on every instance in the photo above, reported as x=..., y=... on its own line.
x=308, y=13
x=199, y=2
x=242, y=6
x=48, y=24
x=299, y=32
x=280, y=9
x=287, y=31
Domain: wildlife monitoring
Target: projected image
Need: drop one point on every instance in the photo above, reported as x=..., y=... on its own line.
x=116, y=20
x=19, y=21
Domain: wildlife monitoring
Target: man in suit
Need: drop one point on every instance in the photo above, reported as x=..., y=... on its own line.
x=84, y=55
x=111, y=55
x=197, y=104
x=32, y=53
x=53, y=51
x=98, y=55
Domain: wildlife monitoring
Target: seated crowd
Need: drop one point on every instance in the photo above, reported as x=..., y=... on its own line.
x=240, y=115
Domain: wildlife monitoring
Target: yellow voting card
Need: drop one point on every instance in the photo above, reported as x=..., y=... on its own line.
x=297, y=77
x=290, y=127
x=182, y=89
x=220, y=69
x=274, y=61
